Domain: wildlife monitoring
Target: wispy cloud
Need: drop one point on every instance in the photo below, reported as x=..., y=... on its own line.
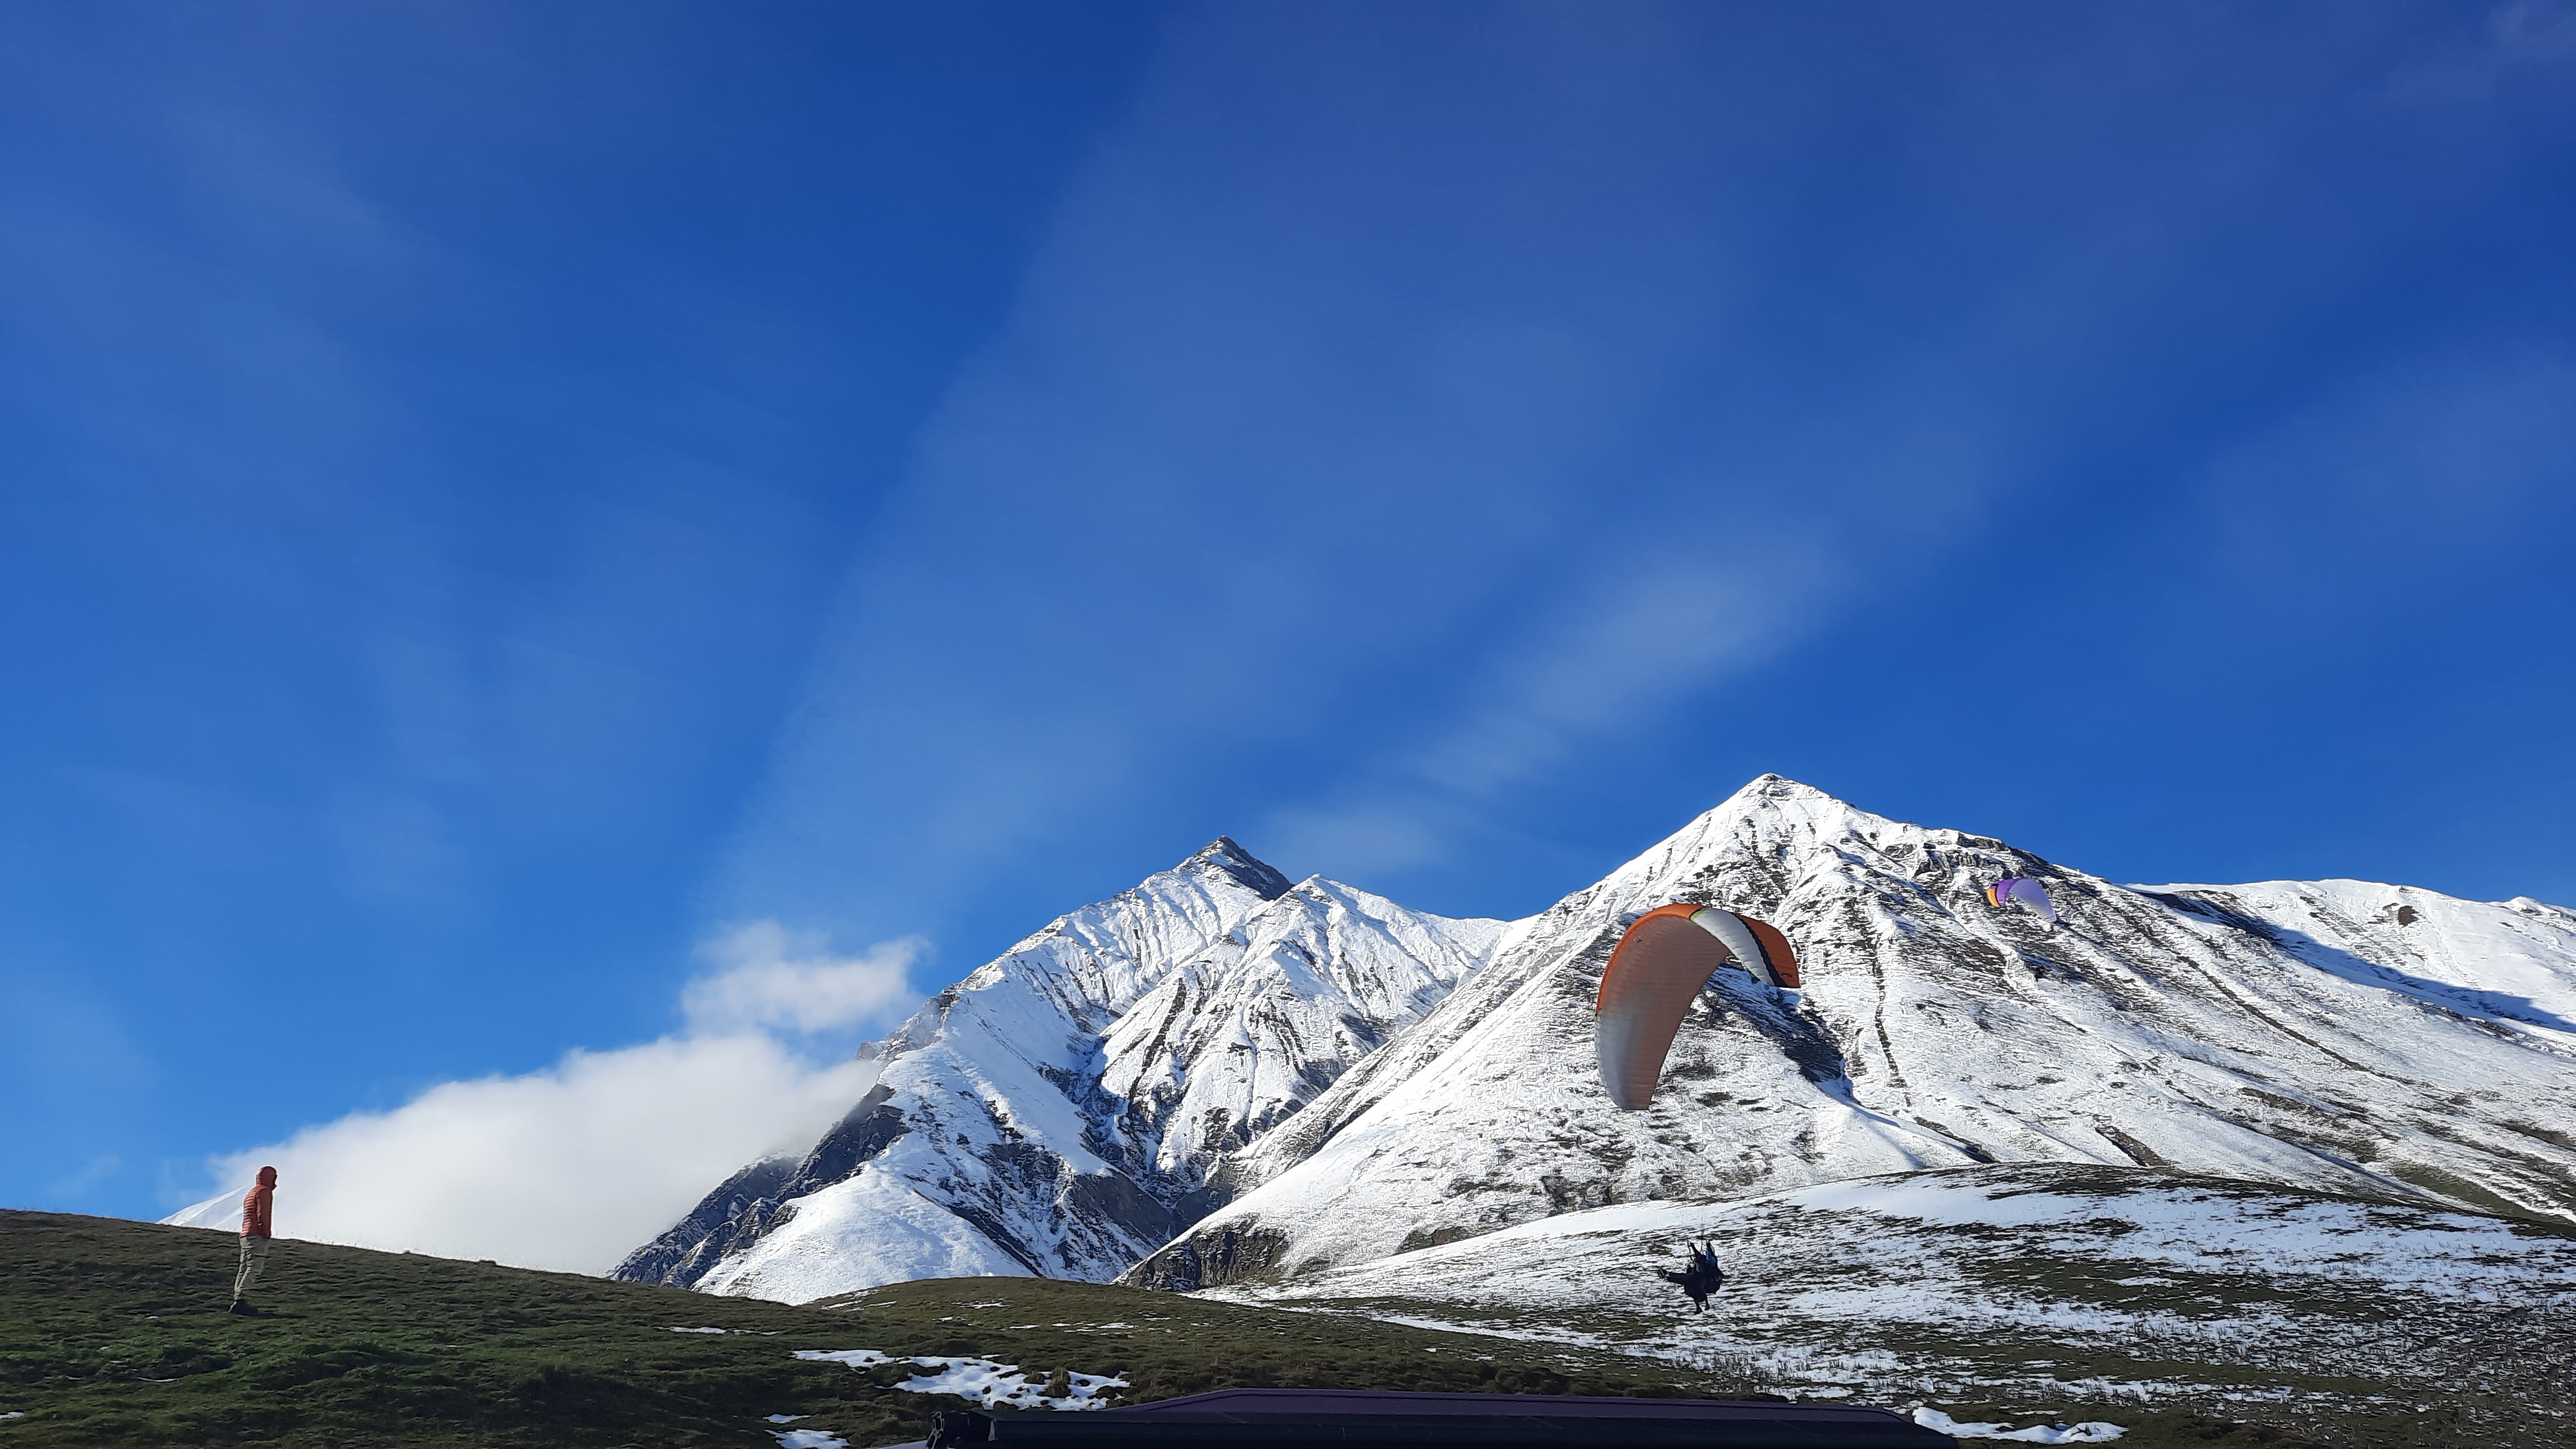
x=2535, y=32
x=1398, y=416
x=2407, y=484
x=1324, y=359
x=2523, y=39
x=88, y=1176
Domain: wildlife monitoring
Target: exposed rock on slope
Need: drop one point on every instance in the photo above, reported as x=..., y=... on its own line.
x=1056, y=1112
x=2340, y=1036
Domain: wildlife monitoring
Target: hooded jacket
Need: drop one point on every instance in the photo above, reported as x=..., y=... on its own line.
x=255, y=1204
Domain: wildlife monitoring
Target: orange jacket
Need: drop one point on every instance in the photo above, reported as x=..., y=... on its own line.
x=255, y=1204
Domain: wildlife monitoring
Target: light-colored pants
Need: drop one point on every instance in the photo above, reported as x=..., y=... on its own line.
x=254, y=1256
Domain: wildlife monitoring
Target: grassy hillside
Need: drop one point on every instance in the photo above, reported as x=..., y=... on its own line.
x=111, y=1333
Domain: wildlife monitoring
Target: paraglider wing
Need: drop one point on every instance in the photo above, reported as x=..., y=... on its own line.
x=1777, y=958
x=1646, y=989
x=1752, y=945
x=2030, y=893
x=1659, y=966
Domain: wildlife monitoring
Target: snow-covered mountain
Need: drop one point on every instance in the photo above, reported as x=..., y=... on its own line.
x=2335, y=1035
x=1233, y=1079
x=1056, y=1113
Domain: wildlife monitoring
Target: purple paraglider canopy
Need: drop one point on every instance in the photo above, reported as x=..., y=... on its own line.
x=2025, y=890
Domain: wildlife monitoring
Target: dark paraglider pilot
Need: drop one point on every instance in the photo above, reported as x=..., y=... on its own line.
x=1700, y=1279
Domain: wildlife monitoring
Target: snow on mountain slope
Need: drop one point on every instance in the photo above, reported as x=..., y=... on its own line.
x=223, y=1210
x=2339, y=1036
x=1236, y=1040
x=1055, y=1112
x=2506, y=961
x=2029, y=1282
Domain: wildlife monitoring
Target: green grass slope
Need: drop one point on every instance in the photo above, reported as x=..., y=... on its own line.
x=112, y=1333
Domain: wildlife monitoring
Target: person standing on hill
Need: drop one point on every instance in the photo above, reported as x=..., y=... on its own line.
x=254, y=1239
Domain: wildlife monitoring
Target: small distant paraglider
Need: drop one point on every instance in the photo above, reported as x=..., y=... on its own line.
x=1657, y=969
x=1700, y=1278
x=2025, y=890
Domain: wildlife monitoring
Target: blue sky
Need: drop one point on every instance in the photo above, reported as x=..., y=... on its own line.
x=498, y=502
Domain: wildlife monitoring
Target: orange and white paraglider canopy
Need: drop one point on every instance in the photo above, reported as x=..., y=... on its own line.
x=1659, y=967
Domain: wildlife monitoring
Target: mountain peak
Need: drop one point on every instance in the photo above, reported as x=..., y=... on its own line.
x=1768, y=802
x=1222, y=856
x=1768, y=786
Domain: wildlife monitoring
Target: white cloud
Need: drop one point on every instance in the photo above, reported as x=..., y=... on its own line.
x=571, y=1167
x=772, y=977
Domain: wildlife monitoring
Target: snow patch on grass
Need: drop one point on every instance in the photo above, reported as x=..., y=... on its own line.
x=980, y=1380
x=2095, y=1432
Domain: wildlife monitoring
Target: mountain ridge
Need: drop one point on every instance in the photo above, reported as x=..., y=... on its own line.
x=2210, y=1031
x=1053, y=1112
x=1223, y=1076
